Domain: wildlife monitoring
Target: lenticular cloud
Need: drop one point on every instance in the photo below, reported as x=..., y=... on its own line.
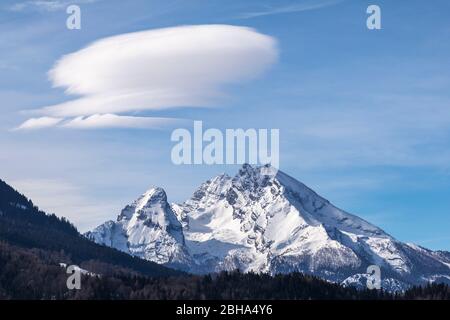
x=185, y=66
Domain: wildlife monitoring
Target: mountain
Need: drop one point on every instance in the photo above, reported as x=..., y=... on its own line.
x=266, y=223
x=149, y=229
x=36, y=247
x=24, y=227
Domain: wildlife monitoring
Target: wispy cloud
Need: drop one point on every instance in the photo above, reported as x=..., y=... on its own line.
x=7, y=66
x=115, y=121
x=46, y=5
x=101, y=121
x=66, y=199
x=39, y=123
x=297, y=7
x=156, y=69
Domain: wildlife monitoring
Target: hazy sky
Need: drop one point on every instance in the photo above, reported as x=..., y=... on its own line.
x=364, y=116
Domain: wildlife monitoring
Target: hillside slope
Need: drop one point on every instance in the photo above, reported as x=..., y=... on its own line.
x=22, y=224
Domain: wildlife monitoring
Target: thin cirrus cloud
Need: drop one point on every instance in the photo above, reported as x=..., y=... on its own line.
x=102, y=121
x=46, y=5
x=39, y=123
x=298, y=7
x=186, y=66
x=115, y=121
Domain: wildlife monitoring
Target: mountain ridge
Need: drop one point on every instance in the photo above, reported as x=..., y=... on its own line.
x=35, y=247
x=272, y=224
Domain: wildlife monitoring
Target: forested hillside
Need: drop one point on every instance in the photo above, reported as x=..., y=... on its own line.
x=35, y=274
x=24, y=225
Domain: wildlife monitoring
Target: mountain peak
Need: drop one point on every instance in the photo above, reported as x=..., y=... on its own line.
x=152, y=196
x=248, y=170
x=246, y=167
x=264, y=220
x=147, y=228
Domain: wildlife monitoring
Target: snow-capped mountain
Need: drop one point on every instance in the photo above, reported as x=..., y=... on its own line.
x=259, y=222
x=148, y=228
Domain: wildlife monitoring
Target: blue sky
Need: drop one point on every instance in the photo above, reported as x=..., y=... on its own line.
x=363, y=115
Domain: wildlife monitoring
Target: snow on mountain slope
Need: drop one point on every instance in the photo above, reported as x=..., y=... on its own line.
x=148, y=228
x=265, y=223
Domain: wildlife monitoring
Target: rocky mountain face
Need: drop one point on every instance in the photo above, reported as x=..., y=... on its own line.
x=260, y=222
x=147, y=228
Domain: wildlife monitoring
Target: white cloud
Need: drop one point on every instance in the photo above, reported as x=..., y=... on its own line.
x=98, y=121
x=162, y=68
x=186, y=66
x=39, y=123
x=115, y=121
